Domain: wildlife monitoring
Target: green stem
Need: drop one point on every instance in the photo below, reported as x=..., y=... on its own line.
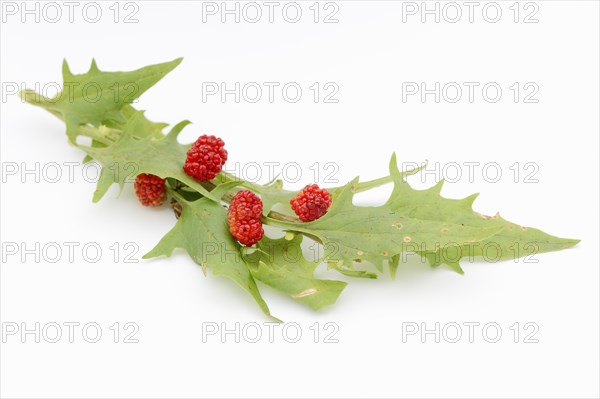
x=33, y=98
x=273, y=215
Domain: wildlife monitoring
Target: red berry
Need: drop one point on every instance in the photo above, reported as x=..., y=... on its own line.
x=206, y=158
x=311, y=203
x=150, y=189
x=244, y=218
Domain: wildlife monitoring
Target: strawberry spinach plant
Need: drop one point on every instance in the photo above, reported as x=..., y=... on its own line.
x=219, y=213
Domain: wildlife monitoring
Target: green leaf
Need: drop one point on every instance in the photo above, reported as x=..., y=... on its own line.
x=411, y=221
x=130, y=156
x=510, y=242
x=202, y=231
x=273, y=194
x=144, y=127
x=281, y=265
x=97, y=97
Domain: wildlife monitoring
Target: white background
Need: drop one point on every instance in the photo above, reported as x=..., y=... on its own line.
x=368, y=54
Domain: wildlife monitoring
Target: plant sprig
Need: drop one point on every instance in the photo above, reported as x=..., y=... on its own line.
x=357, y=241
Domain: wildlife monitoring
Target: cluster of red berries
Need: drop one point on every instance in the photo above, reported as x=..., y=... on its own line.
x=150, y=189
x=311, y=203
x=244, y=217
x=206, y=158
x=204, y=161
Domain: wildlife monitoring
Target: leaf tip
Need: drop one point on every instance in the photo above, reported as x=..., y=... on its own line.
x=571, y=242
x=393, y=266
x=393, y=167
x=66, y=71
x=170, y=65
x=468, y=201
x=175, y=130
x=94, y=67
x=31, y=97
x=455, y=266
x=437, y=188
x=96, y=197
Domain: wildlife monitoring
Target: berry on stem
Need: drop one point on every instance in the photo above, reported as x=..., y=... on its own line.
x=311, y=203
x=244, y=218
x=150, y=189
x=206, y=158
